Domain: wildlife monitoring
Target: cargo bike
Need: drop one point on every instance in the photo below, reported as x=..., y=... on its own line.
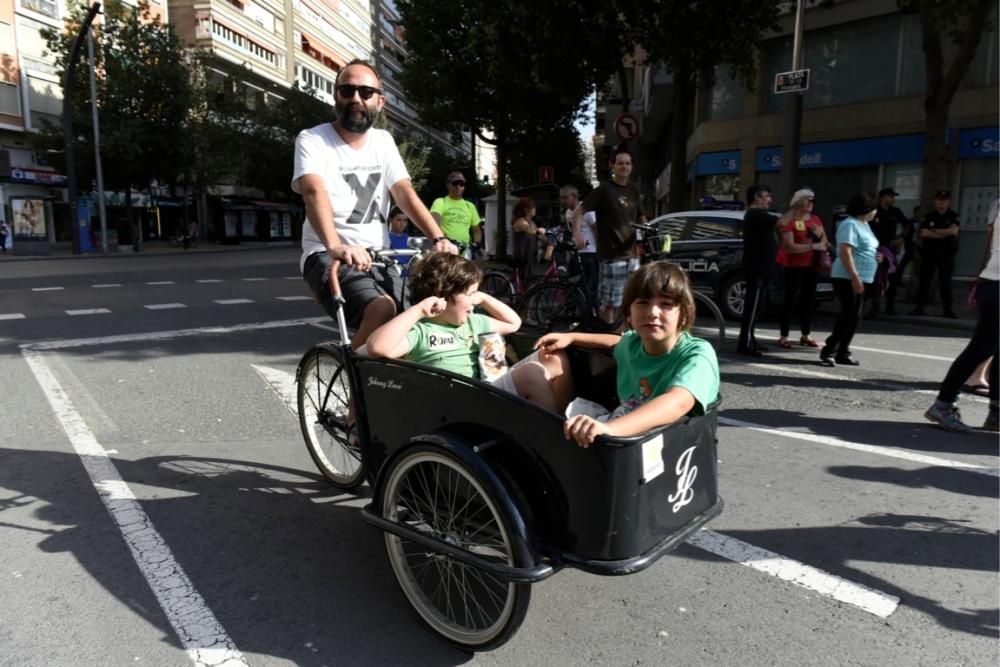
x=478, y=492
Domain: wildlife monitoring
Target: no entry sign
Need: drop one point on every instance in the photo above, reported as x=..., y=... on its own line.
x=627, y=127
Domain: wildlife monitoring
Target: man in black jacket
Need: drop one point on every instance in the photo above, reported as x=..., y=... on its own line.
x=890, y=227
x=760, y=246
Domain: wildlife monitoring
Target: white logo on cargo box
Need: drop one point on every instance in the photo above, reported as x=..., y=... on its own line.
x=686, y=474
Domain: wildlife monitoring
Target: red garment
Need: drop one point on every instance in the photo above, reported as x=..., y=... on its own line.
x=803, y=231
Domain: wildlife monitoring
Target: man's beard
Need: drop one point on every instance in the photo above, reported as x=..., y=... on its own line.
x=359, y=123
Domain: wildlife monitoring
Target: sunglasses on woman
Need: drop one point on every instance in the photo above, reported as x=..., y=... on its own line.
x=347, y=90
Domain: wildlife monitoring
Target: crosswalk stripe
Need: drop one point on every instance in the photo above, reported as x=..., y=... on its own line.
x=103, y=285
x=46, y=289
x=232, y=302
x=161, y=282
x=11, y=316
x=297, y=297
x=253, y=280
x=208, y=280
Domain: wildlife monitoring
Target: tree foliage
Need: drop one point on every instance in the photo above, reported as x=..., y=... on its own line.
x=505, y=69
x=952, y=31
x=143, y=95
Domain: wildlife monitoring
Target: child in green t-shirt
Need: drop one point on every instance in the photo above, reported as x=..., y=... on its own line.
x=442, y=330
x=663, y=373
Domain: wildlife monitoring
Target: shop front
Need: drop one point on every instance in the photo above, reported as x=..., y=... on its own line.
x=715, y=176
x=31, y=203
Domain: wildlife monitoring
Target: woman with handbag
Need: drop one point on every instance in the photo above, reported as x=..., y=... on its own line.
x=803, y=250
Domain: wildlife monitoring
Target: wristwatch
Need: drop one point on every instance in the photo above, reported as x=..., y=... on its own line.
x=441, y=238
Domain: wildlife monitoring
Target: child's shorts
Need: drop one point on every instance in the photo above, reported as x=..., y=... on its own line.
x=583, y=406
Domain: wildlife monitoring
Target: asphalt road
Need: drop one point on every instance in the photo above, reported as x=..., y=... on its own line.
x=854, y=533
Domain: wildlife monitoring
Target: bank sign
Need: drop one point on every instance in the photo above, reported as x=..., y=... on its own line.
x=879, y=150
x=983, y=142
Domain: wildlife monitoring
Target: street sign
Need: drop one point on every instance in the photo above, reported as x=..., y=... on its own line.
x=546, y=174
x=795, y=81
x=627, y=127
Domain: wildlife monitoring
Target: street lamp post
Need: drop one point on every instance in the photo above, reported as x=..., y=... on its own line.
x=793, y=116
x=69, y=85
x=97, y=144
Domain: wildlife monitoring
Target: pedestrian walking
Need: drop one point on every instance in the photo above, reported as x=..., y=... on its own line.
x=939, y=236
x=983, y=344
x=802, y=237
x=760, y=249
x=854, y=267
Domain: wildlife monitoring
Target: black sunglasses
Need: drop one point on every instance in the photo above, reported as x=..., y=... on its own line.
x=347, y=90
x=460, y=184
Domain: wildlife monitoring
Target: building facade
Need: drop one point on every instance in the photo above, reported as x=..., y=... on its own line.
x=862, y=123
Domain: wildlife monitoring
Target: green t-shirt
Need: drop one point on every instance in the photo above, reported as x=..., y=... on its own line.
x=458, y=216
x=691, y=364
x=444, y=346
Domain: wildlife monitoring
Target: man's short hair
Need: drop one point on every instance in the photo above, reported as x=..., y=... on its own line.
x=567, y=190
x=618, y=151
x=363, y=63
x=755, y=190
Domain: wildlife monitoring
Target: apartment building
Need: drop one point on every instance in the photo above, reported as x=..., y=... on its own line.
x=862, y=123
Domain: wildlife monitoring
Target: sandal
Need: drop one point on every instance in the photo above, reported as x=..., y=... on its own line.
x=808, y=342
x=785, y=343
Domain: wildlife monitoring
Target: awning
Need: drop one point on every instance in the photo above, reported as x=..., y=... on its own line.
x=322, y=53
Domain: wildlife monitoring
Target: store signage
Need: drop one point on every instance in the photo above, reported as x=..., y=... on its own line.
x=982, y=142
x=21, y=175
x=795, y=81
x=878, y=150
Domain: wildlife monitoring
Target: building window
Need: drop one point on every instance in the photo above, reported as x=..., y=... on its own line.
x=10, y=99
x=241, y=42
x=727, y=96
x=49, y=8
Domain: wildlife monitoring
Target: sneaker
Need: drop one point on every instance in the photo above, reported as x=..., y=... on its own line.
x=950, y=419
x=847, y=360
x=826, y=357
x=950, y=314
x=991, y=423
x=749, y=352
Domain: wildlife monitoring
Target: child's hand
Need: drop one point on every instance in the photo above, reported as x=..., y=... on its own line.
x=584, y=429
x=552, y=342
x=432, y=306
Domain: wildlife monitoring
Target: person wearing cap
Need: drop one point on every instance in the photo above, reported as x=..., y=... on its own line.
x=939, y=235
x=891, y=227
x=457, y=216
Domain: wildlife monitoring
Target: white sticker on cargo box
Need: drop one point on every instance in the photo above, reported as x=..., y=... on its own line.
x=652, y=458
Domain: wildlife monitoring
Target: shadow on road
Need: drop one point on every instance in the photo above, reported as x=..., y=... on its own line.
x=289, y=570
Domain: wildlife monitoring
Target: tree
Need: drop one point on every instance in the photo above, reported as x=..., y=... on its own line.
x=505, y=70
x=560, y=149
x=690, y=39
x=963, y=23
x=143, y=96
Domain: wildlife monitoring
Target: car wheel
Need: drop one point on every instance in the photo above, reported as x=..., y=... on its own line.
x=731, y=297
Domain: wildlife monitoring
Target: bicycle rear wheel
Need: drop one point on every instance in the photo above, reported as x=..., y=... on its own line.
x=554, y=305
x=498, y=285
x=709, y=323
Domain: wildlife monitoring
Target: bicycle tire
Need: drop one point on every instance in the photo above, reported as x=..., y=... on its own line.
x=554, y=305
x=498, y=285
x=713, y=327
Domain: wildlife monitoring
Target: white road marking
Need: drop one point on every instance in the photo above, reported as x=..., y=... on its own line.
x=104, y=285
x=253, y=280
x=915, y=355
x=11, y=316
x=199, y=631
x=865, y=598
x=326, y=327
x=164, y=306
x=161, y=282
x=293, y=278
x=283, y=384
x=88, y=311
x=901, y=386
x=869, y=449
x=208, y=280
x=167, y=335
x=298, y=297
x=232, y=302
x=46, y=289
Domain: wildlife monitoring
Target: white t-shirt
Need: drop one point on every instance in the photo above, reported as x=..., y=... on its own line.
x=992, y=269
x=586, y=230
x=357, y=182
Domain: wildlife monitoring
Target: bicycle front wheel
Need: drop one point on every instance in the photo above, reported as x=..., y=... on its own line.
x=326, y=419
x=554, y=305
x=709, y=323
x=498, y=285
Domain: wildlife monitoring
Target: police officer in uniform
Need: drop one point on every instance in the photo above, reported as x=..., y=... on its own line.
x=890, y=227
x=939, y=236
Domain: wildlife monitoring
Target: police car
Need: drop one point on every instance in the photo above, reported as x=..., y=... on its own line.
x=709, y=245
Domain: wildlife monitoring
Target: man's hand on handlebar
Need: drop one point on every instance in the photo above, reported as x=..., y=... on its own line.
x=354, y=256
x=445, y=245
